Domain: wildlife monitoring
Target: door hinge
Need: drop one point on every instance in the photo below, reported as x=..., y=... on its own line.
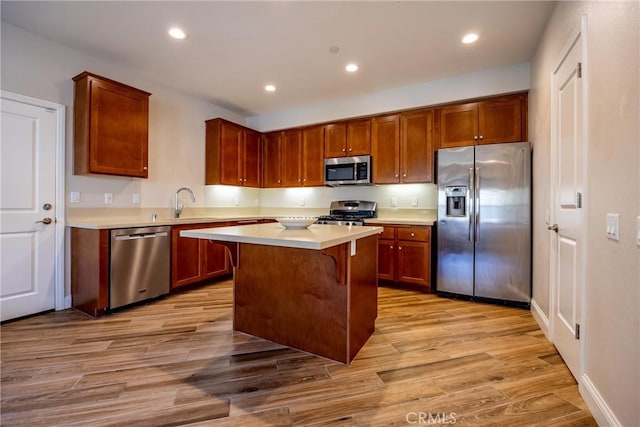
x=579, y=70
x=577, y=333
x=579, y=200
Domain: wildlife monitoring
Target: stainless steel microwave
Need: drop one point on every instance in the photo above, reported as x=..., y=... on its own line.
x=347, y=171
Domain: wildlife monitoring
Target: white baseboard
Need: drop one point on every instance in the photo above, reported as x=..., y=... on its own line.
x=603, y=415
x=541, y=318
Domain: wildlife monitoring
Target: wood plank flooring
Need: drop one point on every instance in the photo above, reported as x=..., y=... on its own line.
x=176, y=361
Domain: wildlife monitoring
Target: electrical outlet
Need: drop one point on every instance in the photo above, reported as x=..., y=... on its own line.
x=394, y=202
x=301, y=201
x=613, y=226
x=108, y=198
x=74, y=197
x=414, y=201
x=135, y=198
x=237, y=201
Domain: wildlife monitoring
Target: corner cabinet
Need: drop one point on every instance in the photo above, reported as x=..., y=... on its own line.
x=195, y=260
x=233, y=154
x=402, y=148
x=404, y=255
x=111, y=124
x=495, y=120
x=272, y=160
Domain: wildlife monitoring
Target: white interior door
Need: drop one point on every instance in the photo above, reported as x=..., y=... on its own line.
x=27, y=209
x=568, y=191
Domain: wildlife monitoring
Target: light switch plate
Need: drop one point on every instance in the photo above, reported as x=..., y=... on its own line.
x=108, y=198
x=613, y=226
x=74, y=197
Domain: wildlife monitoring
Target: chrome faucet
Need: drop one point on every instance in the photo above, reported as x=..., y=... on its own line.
x=177, y=210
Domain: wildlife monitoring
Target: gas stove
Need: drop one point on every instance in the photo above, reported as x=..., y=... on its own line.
x=349, y=212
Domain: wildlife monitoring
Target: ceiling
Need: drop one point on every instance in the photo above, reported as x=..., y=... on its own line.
x=235, y=48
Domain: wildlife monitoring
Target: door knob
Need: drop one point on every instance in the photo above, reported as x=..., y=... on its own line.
x=553, y=227
x=45, y=221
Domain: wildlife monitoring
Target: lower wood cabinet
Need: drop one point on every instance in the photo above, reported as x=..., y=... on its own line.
x=404, y=254
x=195, y=260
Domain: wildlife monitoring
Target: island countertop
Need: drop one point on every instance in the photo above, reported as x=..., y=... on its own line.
x=317, y=236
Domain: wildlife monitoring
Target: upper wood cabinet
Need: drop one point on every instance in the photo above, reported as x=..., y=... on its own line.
x=352, y=138
x=272, y=160
x=233, y=154
x=111, y=123
x=501, y=119
x=302, y=157
x=313, y=156
x=402, y=148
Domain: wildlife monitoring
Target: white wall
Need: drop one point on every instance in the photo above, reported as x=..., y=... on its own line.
x=611, y=328
x=37, y=67
x=485, y=83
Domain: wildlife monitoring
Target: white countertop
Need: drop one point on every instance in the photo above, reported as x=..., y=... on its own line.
x=317, y=236
x=111, y=223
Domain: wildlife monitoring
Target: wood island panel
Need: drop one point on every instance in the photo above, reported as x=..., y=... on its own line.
x=323, y=302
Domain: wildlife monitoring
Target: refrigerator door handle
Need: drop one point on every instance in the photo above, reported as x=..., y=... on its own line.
x=472, y=207
x=477, y=205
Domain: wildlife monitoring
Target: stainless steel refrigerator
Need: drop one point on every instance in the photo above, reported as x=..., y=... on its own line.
x=484, y=222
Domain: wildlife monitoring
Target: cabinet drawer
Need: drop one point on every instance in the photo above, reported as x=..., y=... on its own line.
x=415, y=233
x=388, y=233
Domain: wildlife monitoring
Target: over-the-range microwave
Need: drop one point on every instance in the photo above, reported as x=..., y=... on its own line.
x=355, y=170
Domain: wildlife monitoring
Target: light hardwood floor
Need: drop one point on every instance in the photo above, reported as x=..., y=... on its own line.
x=176, y=361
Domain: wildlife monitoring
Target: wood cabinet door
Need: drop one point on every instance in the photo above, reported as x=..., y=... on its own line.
x=416, y=147
x=215, y=261
x=291, y=154
x=118, y=130
x=186, y=255
x=500, y=120
x=272, y=160
x=413, y=262
x=335, y=140
x=458, y=125
x=231, y=140
x=386, y=261
x=251, y=156
x=313, y=158
x=358, y=137
x=385, y=149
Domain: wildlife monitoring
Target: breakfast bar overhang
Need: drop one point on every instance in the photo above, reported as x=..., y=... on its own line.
x=312, y=289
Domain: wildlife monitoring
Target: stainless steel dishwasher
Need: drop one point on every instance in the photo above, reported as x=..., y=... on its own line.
x=140, y=260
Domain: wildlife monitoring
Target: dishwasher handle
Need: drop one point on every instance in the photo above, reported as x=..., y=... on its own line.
x=141, y=236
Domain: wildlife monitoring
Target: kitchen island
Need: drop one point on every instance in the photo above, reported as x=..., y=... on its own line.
x=313, y=289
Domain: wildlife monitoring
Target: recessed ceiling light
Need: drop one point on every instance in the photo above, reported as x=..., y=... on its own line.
x=270, y=88
x=177, y=33
x=352, y=68
x=470, y=38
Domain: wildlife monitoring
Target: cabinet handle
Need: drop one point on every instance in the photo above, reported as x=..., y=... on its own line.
x=399, y=248
x=404, y=175
x=344, y=149
x=397, y=175
x=413, y=234
x=475, y=137
x=390, y=246
x=144, y=168
x=481, y=137
x=350, y=149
